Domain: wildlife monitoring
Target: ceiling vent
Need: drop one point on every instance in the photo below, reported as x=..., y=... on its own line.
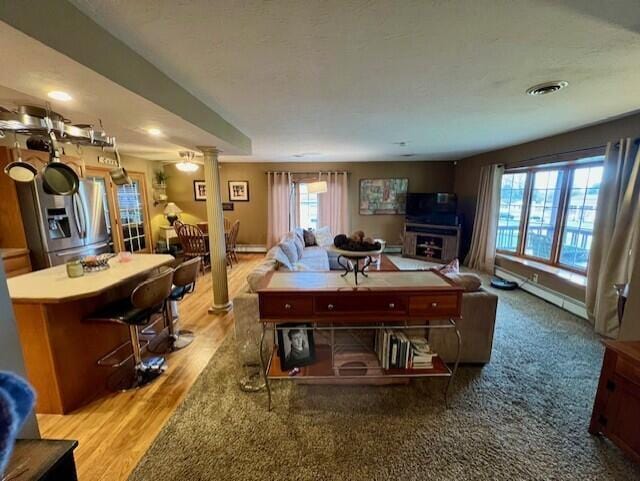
x=547, y=87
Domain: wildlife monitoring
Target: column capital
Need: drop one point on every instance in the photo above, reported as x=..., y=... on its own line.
x=208, y=149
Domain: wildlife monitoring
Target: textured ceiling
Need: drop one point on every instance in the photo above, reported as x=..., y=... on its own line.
x=347, y=79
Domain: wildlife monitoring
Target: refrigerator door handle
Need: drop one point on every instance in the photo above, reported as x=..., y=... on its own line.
x=83, y=208
x=80, y=250
x=79, y=214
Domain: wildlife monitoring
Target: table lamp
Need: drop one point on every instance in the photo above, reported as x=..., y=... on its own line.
x=172, y=211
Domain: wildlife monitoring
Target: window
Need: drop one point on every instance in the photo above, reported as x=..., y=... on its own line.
x=547, y=213
x=307, y=207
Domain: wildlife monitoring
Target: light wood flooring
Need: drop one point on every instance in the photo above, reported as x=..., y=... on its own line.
x=115, y=431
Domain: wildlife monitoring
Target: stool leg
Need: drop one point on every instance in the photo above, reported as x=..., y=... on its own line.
x=180, y=338
x=147, y=370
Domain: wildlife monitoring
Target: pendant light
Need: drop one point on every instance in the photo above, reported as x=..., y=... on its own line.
x=187, y=164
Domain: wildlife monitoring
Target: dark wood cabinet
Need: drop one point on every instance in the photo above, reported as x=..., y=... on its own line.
x=616, y=410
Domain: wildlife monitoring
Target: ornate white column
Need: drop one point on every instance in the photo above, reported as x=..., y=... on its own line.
x=216, y=231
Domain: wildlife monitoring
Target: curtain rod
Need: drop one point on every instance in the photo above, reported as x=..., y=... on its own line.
x=551, y=156
x=316, y=172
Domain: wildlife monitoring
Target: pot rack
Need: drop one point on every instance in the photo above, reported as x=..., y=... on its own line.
x=32, y=120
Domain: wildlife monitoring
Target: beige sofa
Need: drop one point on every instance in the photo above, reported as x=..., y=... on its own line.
x=476, y=326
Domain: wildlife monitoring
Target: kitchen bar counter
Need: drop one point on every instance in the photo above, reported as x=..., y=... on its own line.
x=60, y=347
x=53, y=286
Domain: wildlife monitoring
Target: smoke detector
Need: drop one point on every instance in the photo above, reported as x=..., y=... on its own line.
x=547, y=87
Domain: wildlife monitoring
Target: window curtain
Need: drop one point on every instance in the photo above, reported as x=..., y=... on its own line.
x=333, y=205
x=615, y=238
x=482, y=253
x=278, y=206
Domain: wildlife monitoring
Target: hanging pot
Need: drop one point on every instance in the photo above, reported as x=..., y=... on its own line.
x=19, y=170
x=119, y=175
x=57, y=177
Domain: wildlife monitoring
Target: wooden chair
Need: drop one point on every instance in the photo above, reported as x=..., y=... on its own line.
x=194, y=244
x=231, y=243
x=227, y=224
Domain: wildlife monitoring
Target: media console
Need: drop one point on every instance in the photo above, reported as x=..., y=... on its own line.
x=431, y=242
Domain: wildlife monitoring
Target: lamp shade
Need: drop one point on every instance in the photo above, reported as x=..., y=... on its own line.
x=319, y=187
x=172, y=209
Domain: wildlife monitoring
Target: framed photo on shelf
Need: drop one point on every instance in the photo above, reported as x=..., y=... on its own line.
x=238, y=191
x=295, y=345
x=199, y=190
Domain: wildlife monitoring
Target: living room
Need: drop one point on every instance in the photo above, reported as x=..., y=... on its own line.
x=334, y=240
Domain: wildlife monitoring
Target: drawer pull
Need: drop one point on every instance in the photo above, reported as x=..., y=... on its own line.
x=392, y=305
x=434, y=304
x=330, y=307
x=287, y=307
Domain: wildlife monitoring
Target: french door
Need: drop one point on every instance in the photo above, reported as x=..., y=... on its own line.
x=127, y=210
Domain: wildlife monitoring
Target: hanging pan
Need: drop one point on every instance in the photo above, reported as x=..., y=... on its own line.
x=19, y=170
x=58, y=178
x=119, y=175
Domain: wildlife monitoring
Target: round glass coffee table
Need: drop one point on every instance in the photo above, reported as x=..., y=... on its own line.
x=353, y=259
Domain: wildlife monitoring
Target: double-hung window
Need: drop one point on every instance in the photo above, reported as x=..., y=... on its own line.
x=547, y=213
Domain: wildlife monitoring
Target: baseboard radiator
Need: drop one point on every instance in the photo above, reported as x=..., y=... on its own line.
x=564, y=302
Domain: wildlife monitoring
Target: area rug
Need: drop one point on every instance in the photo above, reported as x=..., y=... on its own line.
x=524, y=416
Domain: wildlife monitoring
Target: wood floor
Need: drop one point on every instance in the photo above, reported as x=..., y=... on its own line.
x=114, y=432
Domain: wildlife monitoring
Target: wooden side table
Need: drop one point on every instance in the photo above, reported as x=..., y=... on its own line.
x=616, y=410
x=42, y=460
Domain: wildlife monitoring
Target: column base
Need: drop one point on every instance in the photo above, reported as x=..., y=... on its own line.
x=215, y=309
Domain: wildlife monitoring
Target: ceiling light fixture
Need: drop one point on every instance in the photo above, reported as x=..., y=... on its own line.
x=155, y=132
x=307, y=154
x=59, y=95
x=187, y=164
x=547, y=87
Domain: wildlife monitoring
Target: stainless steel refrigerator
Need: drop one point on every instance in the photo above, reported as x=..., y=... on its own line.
x=61, y=228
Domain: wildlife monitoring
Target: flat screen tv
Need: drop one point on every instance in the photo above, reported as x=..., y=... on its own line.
x=431, y=205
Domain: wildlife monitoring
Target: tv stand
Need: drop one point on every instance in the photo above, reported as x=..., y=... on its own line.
x=431, y=242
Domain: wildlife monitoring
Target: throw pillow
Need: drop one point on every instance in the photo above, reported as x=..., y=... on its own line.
x=469, y=282
x=323, y=236
x=289, y=248
x=279, y=256
x=452, y=267
x=299, y=246
x=309, y=238
x=254, y=279
x=299, y=233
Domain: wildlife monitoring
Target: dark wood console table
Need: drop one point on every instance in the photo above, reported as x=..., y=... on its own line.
x=329, y=302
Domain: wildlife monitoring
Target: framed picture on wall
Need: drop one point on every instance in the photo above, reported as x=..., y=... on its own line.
x=199, y=190
x=383, y=196
x=238, y=191
x=227, y=206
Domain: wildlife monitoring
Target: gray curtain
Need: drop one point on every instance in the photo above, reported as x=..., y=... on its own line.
x=615, y=244
x=482, y=253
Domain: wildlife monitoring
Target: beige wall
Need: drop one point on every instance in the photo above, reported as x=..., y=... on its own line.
x=423, y=177
x=90, y=157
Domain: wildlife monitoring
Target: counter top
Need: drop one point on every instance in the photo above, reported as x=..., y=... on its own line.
x=52, y=285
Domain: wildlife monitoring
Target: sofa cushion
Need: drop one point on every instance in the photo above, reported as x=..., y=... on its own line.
x=470, y=282
x=254, y=279
x=309, y=238
x=299, y=233
x=279, y=256
x=288, y=246
x=452, y=267
x=315, y=258
x=323, y=236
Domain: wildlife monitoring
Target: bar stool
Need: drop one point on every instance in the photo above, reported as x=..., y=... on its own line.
x=184, y=283
x=147, y=299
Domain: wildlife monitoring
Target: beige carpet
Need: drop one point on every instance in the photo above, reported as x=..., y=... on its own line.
x=524, y=416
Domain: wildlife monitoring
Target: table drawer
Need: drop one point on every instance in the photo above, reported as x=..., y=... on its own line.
x=276, y=306
x=445, y=304
x=360, y=303
x=628, y=369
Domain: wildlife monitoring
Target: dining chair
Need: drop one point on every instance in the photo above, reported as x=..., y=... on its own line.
x=194, y=244
x=231, y=239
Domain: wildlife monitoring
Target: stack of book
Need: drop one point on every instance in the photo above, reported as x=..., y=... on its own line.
x=396, y=350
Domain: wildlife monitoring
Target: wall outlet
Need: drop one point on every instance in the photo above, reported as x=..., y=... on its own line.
x=534, y=278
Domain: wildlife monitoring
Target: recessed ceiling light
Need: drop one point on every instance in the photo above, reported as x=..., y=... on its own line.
x=402, y=143
x=547, y=87
x=307, y=154
x=155, y=132
x=59, y=95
